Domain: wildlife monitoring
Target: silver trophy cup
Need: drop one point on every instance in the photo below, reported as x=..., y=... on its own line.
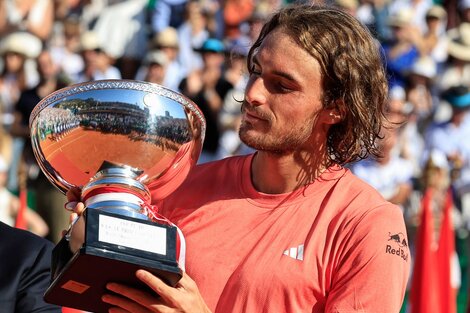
x=125, y=144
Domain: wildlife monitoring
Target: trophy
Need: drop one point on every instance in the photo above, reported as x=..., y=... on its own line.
x=124, y=143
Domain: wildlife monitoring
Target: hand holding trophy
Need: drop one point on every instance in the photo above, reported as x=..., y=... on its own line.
x=124, y=143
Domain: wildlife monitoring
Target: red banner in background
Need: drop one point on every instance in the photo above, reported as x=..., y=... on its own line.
x=431, y=287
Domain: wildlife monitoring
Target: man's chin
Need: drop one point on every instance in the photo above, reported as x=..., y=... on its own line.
x=260, y=143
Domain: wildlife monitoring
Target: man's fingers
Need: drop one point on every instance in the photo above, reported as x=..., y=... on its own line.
x=122, y=304
x=157, y=285
x=143, y=298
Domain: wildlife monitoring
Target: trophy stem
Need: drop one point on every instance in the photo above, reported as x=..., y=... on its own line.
x=114, y=190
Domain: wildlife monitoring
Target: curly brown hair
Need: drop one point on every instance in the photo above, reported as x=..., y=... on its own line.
x=353, y=75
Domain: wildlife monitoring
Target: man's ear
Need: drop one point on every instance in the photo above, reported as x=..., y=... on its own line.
x=333, y=113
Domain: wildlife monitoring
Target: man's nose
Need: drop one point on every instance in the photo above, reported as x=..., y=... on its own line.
x=255, y=92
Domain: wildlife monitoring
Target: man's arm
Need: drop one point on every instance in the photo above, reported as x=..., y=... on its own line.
x=35, y=279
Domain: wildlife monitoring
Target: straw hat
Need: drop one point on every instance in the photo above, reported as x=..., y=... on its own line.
x=400, y=18
x=23, y=43
x=89, y=41
x=156, y=57
x=459, y=42
x=437, y=11
x=425, y=66
x=167, y=38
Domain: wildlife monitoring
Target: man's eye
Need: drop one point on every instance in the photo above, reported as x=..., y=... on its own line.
x=283, y=87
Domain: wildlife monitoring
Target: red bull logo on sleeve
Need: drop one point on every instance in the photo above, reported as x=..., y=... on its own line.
x=397, y=245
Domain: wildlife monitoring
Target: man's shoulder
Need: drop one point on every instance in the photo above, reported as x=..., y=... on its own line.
x=23, y=243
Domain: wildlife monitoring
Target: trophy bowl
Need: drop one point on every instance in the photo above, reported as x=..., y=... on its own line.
x=124, y=143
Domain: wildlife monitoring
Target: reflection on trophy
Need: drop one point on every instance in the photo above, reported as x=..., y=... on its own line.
x=123, y=143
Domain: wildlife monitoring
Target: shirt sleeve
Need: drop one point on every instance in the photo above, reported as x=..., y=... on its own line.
x=373, y=266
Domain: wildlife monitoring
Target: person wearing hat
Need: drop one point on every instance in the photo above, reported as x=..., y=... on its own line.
x=419, y=89
x=48, y=199
x=18, y=51
x=167, y=41
x=403, y=49
x=457, y=70
x=434, y=42
x=208, y=87
x=155, y=65
x=98, y=64
x=417, y=10
x=451, y=136
x=192, y=34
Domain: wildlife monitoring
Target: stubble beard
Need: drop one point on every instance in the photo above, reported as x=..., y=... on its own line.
x=290, y=139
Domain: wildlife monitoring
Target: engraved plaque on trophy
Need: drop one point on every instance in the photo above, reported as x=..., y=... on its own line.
x=124, y=143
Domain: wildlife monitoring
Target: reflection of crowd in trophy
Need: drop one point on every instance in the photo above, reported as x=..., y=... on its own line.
x=111, y=117
x=114, y=117
x=56, y=123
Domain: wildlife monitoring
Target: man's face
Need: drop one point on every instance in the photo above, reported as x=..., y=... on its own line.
x=282, y=111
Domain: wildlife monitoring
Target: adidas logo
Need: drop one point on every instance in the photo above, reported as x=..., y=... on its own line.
x=296, y=253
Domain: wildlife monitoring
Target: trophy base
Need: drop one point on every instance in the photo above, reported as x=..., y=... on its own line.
x=81, y=282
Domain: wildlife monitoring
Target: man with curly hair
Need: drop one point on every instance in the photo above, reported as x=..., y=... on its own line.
x=288, y=228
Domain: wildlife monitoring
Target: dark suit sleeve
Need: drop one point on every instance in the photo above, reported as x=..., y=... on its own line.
x=34, y=283
x=24, y=271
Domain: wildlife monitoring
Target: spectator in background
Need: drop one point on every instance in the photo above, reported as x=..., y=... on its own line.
x=255, y=23
x=122, y=23
x=402, y=50
x=417, y=10
x=192, y=34
x=155, y=66
x=33, y=16
x=410, y=142
x=49, y=200
x=10, y=205
x=167, y=13
x=208, y=87
x=390, y=174
x=230, y=113
x=236, y=12
x=457, y=70
x=167, y=42
x=98, y=64
x=451, y=138
x=65, y=49
x=434, y=40
x=419, y=82
x=16, y=50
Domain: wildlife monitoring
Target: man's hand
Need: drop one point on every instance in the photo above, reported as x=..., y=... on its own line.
x=183, y=298
x=76, y=232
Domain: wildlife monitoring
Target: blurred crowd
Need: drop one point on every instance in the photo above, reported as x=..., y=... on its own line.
x=199, y=48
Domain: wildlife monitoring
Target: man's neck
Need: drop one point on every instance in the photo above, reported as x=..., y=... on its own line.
x=281, y=173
